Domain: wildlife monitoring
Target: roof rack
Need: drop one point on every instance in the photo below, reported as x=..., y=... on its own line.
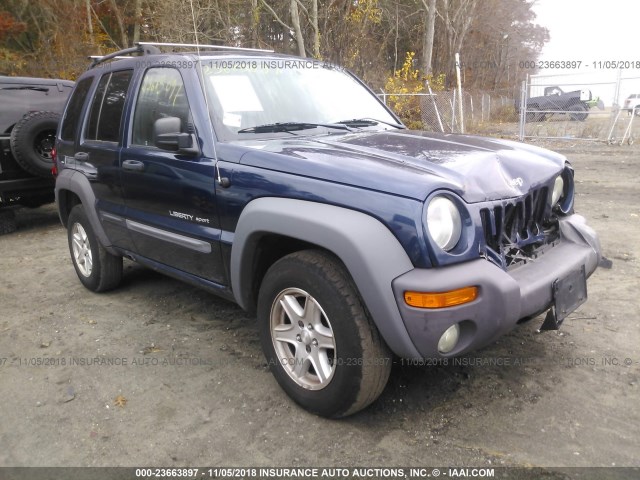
x=197, y=45
x=149, y=48
x=97, y=57
x=140, y=49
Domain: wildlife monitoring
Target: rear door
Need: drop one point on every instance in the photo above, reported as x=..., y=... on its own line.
x=97, y=155
x=171, y=196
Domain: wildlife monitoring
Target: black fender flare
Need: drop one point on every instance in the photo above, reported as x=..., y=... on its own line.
x=78, y=184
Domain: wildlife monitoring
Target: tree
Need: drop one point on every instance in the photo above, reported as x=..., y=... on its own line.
x=502, y=34
x=456, y=16
x=371, y=37
x=429, y=33
x=295, y=19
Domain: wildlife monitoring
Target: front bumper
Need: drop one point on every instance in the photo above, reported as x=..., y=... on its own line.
x=504, y=297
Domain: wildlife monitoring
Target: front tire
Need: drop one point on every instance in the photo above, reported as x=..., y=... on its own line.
x=531, y=114
x=97, y=269
x=316, y=334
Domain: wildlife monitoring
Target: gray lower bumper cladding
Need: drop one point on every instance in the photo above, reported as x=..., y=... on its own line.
x=504, y=297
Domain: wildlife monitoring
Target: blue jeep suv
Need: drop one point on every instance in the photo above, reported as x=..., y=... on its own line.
x=283, y=184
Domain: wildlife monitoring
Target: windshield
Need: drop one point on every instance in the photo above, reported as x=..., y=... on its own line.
x=248, y=93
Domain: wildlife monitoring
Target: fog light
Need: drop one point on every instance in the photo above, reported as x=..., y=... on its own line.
x=449, y=339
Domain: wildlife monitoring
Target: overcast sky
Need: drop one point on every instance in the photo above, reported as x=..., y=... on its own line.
x=590, y=30
x=593, y=31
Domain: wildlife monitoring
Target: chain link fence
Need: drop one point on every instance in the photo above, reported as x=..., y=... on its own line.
x=624, y=123
x=565, y=106
x=440, y=111
x=560, y=107
x=580, y=107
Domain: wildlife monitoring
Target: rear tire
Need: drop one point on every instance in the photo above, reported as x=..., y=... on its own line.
x=321, y=345
x=32, y=140
x=533, y=114
x=97, y=269
x=578, y=112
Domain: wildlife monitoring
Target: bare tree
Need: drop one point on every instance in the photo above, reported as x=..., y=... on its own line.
x=120, y=21
x=89, y=20
x=295, y=20
x=316, y=31
x=429, y=32
x=255, y=23
x=457, y=16
x=137, y=18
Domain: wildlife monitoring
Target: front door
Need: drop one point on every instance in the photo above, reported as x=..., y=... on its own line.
x=170, y=196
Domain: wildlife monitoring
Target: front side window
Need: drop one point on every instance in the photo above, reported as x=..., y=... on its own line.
x=107, y=106
x=162, y=95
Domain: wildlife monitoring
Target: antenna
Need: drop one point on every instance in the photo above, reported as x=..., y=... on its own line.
x=223, y=182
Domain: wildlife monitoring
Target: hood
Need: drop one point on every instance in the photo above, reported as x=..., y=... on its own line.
x=411, y=164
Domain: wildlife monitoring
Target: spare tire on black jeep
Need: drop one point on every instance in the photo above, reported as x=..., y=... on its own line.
x=33, y=139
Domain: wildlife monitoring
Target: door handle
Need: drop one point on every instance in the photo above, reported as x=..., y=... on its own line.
x=133, y=165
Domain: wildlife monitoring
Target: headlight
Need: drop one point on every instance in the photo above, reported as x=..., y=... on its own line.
x=443, y=222
x=558, y=188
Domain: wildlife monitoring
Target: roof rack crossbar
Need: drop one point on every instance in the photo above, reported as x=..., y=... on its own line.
x=127, y=51
x=97, y=57
x=196, y=45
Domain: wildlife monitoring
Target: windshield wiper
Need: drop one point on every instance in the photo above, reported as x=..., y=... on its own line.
x=368, y=122
x=30, y=87
x=290, y=126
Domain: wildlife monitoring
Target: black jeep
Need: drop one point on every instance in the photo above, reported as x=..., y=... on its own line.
x=29, y=115
x=575, y=104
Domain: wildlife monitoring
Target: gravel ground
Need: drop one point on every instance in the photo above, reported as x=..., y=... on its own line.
x=158, y=373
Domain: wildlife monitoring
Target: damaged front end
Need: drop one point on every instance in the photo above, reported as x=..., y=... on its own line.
x=521, y=230
x=517, y=230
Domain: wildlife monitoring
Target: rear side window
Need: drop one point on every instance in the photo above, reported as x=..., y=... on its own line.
x=74, y=109
x=107, y=106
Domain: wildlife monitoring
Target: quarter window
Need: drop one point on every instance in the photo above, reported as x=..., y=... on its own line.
x=74, y=109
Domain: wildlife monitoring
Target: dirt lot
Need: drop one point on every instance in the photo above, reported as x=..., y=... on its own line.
x=190, y=387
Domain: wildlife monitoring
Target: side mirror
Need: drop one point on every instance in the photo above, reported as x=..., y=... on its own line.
x=167, y=136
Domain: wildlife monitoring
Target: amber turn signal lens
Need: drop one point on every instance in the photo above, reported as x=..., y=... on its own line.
x=441, y=299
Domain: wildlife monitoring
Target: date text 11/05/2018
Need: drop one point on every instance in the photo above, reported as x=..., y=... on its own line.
x=312, y=472
x=577, y=64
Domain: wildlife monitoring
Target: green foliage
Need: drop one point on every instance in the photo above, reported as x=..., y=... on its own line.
x=405, y=82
